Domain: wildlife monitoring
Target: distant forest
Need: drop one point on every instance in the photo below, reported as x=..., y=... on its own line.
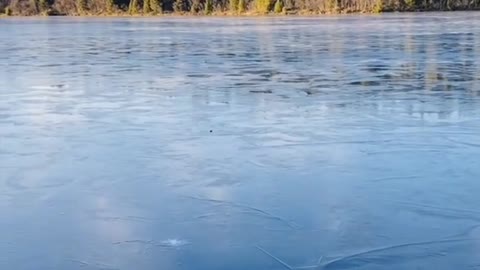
x=222, y=7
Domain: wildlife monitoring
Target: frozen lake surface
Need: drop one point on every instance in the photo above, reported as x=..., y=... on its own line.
x=219, y=143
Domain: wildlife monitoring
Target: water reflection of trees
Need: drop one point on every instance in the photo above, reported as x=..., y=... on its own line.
x=368, y=65
x=331, y=63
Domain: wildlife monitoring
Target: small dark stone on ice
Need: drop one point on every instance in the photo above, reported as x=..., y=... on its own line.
x=211, y=131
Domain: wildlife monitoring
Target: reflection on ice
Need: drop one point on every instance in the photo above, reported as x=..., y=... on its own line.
x=174, y=242
x=49, y=87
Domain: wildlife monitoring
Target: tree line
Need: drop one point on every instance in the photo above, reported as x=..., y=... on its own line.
x=224, y=7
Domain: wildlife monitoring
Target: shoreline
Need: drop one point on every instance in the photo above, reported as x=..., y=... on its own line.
x=229, y=15
x=224, y=8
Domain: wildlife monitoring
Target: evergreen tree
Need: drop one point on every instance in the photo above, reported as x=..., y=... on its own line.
x=262, y=6
x=8, y=11
x=156, y=6
x=234, y=6
x=110, y=6
x=133, y=7
x=332, y=5
x=378, y=6
x=278, y=7
x=208, y=7
x=34, y=6
x=242, y=6
x=146, y=7
x=179, y=6
x=43, y=6
x=410, y=4
x=195, y=7
x=82, y=7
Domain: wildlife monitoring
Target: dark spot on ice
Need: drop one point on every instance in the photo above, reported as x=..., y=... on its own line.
x=385, y=76
x=261, y=91
x=308, y=92
x=198, y=76
x=440, y=88
x=211, y=131
x=245, y=84
x=439, y=76
x=366, y=83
